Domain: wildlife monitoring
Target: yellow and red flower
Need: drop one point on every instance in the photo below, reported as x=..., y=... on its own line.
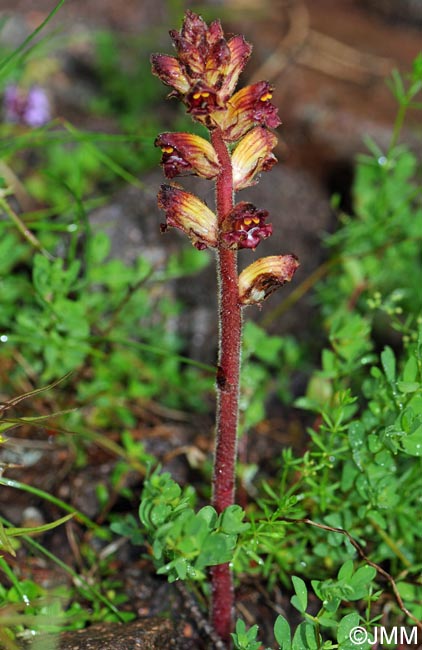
x=245, y=226
x=188, y=213
x=170, y=71
x=253, y=155
x=250, y=106
x=185, y=153
x=207, y=67
x=260, y=279
x=204, y=74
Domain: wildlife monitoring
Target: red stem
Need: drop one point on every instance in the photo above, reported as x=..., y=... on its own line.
x=230, y=328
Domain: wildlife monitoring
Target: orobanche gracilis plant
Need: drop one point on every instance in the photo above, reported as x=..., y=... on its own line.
x=203, y=75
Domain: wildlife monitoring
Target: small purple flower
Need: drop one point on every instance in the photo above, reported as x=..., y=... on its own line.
x=30, y=107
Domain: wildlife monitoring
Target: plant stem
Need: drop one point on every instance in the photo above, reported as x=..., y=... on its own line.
x=25, y=232
x=398, y=123
x=230, y=328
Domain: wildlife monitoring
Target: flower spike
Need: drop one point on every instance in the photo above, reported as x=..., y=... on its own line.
x=263, y=277
x=203, y=75
x=185, y=153
x=188, y=213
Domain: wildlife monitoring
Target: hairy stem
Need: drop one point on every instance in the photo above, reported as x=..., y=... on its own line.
x=230, y=327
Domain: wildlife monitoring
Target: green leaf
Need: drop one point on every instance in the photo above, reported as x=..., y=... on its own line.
x=346, y=624
x=33, y=530
x=410, y=370
x=348, y=633
x=361, y=581
x=282, y=633
x=412, y=444
x=216, y=549
x=300, y=600
x=41, y=274
x=408, y=386
x=231, y=520
x=325, y=620
x=159, y=514
x=364, y=575
x=5, y=543
x=346, y=571
x=245, y=639
x=305, y=637
x=99, y=247
x=181, y=567
x=209, y=515
x=332, y=605
x=388, y=361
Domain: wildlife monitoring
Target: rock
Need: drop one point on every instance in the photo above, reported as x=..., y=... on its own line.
x=151, y=633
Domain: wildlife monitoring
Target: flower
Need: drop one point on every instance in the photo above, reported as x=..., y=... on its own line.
x=188, y=213
x=252, y=156
x=245, y=226
x=207, y=67
x=249, y=107
x=186, y=153
x=260, y=279
x=30, y=107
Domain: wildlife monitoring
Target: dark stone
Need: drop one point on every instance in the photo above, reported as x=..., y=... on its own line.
x=144, y=634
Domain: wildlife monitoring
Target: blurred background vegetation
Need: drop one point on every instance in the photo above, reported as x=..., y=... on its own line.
x=107, y=333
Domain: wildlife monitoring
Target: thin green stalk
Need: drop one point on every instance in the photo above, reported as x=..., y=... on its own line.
x=398, y=124
x=391, y=544
x=7, y=482
x=146, y=347
x=77, y=579
x=13, y=579
x=5, y=64
x=109, y=162
x=27, y=234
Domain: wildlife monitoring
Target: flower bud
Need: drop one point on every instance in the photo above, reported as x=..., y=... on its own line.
x=207, y=67
x=170, y=71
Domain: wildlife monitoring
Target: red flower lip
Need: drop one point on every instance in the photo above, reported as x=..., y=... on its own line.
x=201, y=101
x=245, y=226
